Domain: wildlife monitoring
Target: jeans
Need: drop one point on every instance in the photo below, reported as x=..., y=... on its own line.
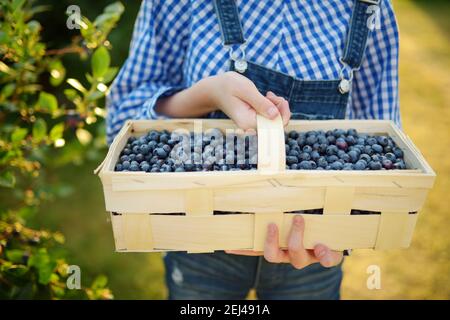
x=230, y=277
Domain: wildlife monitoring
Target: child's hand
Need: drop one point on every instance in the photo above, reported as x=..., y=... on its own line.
x=240, y=100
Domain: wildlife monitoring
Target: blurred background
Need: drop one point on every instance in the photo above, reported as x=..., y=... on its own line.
x=420, y=272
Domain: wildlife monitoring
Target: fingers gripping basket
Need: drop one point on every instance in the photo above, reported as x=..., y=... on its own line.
x=175, y=210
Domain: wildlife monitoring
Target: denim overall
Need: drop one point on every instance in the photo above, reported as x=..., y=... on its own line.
x=223, y=276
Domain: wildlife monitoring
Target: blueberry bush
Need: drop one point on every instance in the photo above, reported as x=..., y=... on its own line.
x=47, y=119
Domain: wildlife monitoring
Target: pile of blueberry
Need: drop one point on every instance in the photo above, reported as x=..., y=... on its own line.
x=164, y=151
x=341, y=150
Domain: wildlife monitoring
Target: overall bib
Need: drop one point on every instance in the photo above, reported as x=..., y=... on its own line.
x=222, y=276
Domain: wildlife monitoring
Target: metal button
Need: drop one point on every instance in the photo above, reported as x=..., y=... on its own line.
x=240, y=65
x=344, y=86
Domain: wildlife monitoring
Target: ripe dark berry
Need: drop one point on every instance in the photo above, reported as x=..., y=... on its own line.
x=377, y=148
x=124, y=158
x=305, y=165
x=383, y=140
x=139, y=157
x=387, y=164
x=293, y=134
x=126, y=165
x=375, y=165
x=353, y=156
x=360, y=165
x=336, y=165
x=341, y=144
x=398, y=152
x=371, y=141
x=331, y=150
x=365, y=157
x=390, y=156
x=291, y=160
x=119, y=167
x=145, y=167
x=134, y=167
x=160, y=153
x=307, y=149
x=304, y=156
x=126, y=151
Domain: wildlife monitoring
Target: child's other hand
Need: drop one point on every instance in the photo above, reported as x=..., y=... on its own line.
x=240, y=100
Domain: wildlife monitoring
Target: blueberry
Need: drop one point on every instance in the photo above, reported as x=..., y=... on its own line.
x=311, y=140
x=368, y=150
x=387, y=164
x=371, y=141
x=336, y=165
x=145, y=167
x=307, y=149
x=375, y=165
x=360, y=165
x=134, y=167
x=365, y=157
x=390, y=156
x=377, y=148
x=119, y=167
x=288, y=148
x=313, y=164
x=124, y=158
x=294, y=153
x=315, y=155
x=322, y=139
x=322, y=148
x=383, y=140
x=293, y=166
x=345, y=157
x=341, y=144
x=305, y=165
x=164, y=138
x=376, y=157
x=332, y=158
x=160, y=152
x=293, y=134
x=331, y=150
x=136, y=149
x=304, y=156
x=291, y=160
x=352, y=132
x=348, y=166
x=126, y=165
x=331, y=139
x=398, y=152
x=388, y=149
x=353, y=156
x=322, y=162
x=154, y=169
x=126, y=151
x=139, y=157
x=351, y=140
x=180, y=169
x=167, y=148
x=132, y=156
x=400, y=165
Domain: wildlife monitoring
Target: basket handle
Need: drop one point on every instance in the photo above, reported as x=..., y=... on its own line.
x=271, y=145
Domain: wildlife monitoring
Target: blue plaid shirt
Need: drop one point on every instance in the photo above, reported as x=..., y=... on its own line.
x=177, y=42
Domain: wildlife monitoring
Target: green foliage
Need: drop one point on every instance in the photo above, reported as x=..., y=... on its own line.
x=46, y=120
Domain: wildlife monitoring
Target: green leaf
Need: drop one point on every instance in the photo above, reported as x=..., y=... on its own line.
x=18, y=134
x=39, y=129
x=17, y=4
x=44, y=265
x=8, y=90
x=57, y=72
x=57, y=131
x=76, y=84
x=110, y=74
x=7, y=179
x=15, y=256
x=71, y=94
x=48, y=102
x=100, y=282
x=100, y=62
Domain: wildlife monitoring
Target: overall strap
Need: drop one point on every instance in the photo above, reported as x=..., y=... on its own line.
x=230, y=24
x=360, y=26
x=364, y=16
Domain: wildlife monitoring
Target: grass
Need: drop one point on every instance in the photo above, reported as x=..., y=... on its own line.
x=421, y=272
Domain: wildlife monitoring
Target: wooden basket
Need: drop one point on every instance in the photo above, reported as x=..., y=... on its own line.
x=175, y=210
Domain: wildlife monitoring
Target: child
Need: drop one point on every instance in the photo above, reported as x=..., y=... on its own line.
x=227, y=58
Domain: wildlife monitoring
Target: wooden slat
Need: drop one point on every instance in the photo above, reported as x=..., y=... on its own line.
x=262, y=221
x=137, y=231
x=391, y=230
x=338, y=200
x=271, y=145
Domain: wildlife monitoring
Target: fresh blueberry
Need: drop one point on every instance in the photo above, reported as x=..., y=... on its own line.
x=336, y=165
x=348, y=166
x=291, y=160
x=160, y=152
x=353, y=154
x=293, y=134
x=124, y=158
x=387, y=164
x=126, y=165
x=119, y=167
x=383, y=140
x=375, y=165
x=304, y=156
x=305, y=165
x=134, y=167
x=332, y=158
x=322, y=162
x=341, y=144
x=311, y=139
x=307, y=149
x=390, y=156
x=126, y=151
x=398, y=152
x=145, y=167
x=377, y=148
x=331, y=150
x=139, y=157
x=371, y=141
x=360, y=165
